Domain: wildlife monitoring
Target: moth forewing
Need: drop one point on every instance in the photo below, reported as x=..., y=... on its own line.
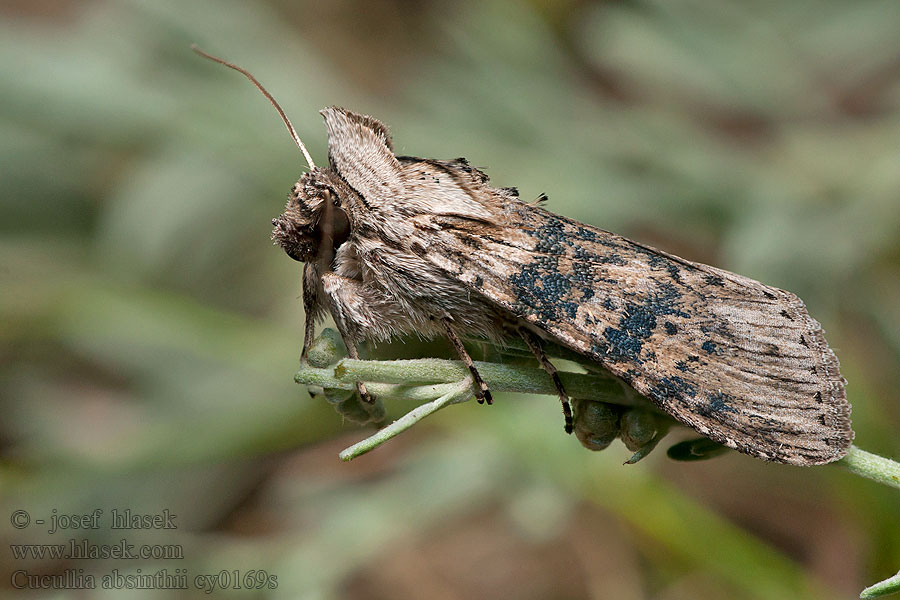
x=741, y=362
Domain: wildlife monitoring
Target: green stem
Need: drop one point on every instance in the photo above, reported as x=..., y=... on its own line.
x=891, y=585
x=502, y=378
x=408, y=376
x=460, y=392
x=877, y=468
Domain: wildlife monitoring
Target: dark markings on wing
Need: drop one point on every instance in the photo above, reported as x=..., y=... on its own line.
x=740, y=362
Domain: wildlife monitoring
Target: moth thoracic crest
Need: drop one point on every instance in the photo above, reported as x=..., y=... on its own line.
x=396, y=245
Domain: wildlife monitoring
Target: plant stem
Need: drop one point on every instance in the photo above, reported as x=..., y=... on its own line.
x=405, y=375
x=460, y=392
x=891, y=585
x=877, y=468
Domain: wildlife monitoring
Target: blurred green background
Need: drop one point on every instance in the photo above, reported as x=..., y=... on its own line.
x=149, y=331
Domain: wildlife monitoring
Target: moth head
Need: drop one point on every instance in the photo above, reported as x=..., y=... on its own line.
x=295, y=229
x=312, y=224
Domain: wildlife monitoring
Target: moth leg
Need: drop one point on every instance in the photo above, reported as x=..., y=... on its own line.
x=353, y=353
x=335, y=287
x=312, y=308
x=534, y=343
x=482, y=393
x=308, y=336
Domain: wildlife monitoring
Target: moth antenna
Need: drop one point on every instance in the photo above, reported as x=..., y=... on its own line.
x=268, y=96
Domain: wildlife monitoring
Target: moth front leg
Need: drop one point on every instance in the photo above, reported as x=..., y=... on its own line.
x=345, y=297
x=312, y=307
x=353, y=353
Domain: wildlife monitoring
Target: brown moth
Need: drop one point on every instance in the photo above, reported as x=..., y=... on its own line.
x=396, y=245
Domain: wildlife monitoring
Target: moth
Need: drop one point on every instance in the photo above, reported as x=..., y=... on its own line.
x=395, y=245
